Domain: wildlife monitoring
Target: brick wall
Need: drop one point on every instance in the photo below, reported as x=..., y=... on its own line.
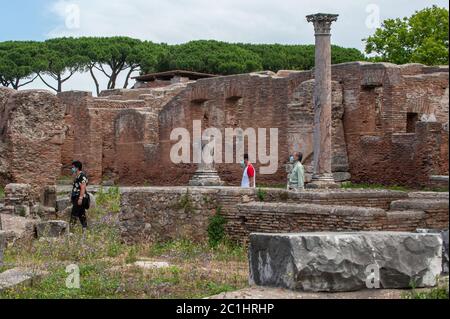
x=377, y=100
x=124, y=135
x=32, y=132
x=159, y=213
x=116, y=135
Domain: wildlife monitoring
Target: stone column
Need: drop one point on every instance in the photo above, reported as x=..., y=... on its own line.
x=323, y=175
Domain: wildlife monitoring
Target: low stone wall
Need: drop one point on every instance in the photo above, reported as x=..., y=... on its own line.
x=435, y=210
x=18, y=200
x=158, y=214
x=347, y=197
x=282, y=217
x=167, y=213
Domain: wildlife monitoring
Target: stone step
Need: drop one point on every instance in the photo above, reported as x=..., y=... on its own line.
x=18, y=276
x=439, y=181
x=314, y=209
x=422, y=204
x=405, y=214
x=429, y=195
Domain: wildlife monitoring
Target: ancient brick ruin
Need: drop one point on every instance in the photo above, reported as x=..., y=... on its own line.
x=161, y=213
x=32, y=134
x=360, y=122
x=390, y=126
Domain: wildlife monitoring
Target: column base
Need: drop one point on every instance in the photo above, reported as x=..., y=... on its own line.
x=206, y=178
x=322, y=182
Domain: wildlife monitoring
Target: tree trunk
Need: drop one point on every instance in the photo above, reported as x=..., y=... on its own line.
x=59, y=84
x=125, y=86
x=97, y=86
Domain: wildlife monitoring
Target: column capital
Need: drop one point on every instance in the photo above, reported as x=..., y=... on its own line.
x=322, y=22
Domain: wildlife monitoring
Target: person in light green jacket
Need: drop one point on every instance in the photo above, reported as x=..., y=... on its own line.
x=297, y=176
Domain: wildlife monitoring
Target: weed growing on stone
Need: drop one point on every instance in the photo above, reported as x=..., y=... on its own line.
x=186, y=203
x=109, y=200
x=261, y=194
x=439, y=292
x=2, y=193
x=216, y=229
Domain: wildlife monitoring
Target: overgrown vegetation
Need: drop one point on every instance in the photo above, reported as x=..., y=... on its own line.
x=439, y=292
x=216, y=229
x=186, y=203
x=261, y=194
x=109, y=200
x=107, y=267
x=435, y=293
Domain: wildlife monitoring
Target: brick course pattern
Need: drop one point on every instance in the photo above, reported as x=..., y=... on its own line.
x=167, y=213
x=390, y=126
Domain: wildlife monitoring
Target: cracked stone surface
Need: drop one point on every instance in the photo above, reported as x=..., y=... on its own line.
x=338, y=262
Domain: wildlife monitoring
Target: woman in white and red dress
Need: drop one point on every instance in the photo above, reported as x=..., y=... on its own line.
x=249, y=176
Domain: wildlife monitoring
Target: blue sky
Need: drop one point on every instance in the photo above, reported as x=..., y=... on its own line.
x=178, y=21
x=26, y=20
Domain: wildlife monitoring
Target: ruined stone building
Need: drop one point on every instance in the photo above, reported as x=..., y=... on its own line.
x=390, y=125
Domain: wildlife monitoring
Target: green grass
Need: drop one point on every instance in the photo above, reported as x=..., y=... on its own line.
x=196, y=271
x=436, y=189
x=435, y=293
x=438, y=292
x=261, y=194
x=107, y=270
x=265, y=185
x=108, y=200
x=2, y=193
x=350, y=185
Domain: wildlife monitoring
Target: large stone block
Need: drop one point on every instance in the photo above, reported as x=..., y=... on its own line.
x=52, y=228
x=444, y=235
x=19, y=277
x=344, y=261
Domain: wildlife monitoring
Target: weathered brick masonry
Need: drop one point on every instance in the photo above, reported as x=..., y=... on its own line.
x=115, y=135
x=390, y=123
x=390, y=126
x=158, y=213
x=32, y=132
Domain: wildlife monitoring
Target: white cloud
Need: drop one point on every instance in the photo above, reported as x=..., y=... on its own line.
x=254, y=21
